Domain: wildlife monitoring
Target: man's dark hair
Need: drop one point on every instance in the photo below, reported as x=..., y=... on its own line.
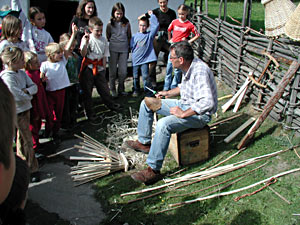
x=183, y=49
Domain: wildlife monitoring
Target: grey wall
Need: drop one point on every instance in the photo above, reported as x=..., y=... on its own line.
x=134, y=8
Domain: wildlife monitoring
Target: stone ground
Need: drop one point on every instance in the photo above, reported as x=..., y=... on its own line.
x=55, y=199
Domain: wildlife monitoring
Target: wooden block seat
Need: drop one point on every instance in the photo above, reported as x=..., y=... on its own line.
x=190, y=146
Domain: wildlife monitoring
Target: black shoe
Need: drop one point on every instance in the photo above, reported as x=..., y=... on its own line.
x=35, y=177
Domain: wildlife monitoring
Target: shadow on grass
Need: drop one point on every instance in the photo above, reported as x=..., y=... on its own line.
x=247, y=217
x=143, y=211
x=148, y=211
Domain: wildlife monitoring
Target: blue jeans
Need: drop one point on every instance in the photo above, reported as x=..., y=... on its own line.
x=145, y=76
x=169, y=83
x=164, y=128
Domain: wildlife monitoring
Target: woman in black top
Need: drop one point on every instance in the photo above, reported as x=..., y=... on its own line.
x=164, y=16
x=85, y=10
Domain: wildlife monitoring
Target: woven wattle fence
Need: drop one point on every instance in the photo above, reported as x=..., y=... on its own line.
x=232, y=51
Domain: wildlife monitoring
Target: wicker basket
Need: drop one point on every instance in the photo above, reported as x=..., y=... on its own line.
x=277, y=13
x=292, y=26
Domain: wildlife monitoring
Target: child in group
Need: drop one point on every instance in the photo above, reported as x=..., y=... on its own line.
x=118, y=33
x=181, y=28
x=40, y=109
x=141, y=45
x=34, y=34
x=94, y=49
x=72, y=92
x=11, y=33
x=22, y=88
x=54, y=73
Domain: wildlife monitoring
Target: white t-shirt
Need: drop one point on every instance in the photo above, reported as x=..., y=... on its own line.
x=97, y=49
x=36, y=39
x=21, y=44
x=56, y=73
x=41, y=39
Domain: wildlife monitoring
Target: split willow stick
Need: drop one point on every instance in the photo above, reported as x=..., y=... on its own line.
x=227, y=159
x=225, y=120
x=235, y=191
x=279, y=195
x=60, y=152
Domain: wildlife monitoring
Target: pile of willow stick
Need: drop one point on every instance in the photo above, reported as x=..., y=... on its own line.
x=100, y=161
x=191, y=178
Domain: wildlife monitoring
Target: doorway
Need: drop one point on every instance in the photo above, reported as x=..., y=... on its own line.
x=58, y=15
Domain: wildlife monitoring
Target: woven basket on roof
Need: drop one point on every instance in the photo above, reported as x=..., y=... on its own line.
x=292, y=26
x=277, y=13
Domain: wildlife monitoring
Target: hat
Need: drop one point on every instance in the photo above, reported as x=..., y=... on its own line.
x=292, y=26
x=9, y=12
x=277, y=13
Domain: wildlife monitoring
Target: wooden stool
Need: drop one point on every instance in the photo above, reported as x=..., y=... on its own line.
x=190, y=146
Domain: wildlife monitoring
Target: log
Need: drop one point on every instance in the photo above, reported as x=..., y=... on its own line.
x=271, y=103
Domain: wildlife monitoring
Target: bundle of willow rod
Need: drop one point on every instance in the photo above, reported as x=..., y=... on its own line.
x=192, y=178
x=100, y=161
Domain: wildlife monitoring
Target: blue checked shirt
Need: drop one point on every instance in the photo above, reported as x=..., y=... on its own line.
x=198, y=88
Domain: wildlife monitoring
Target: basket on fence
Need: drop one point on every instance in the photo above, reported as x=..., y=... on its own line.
x=277, y=13
x=292, y=26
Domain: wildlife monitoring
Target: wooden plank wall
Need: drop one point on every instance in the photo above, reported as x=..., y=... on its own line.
x=233, y=51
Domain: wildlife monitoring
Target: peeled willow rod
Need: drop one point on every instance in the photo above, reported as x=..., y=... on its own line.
x=175, y=182
x=235, y=191
x=225, y=181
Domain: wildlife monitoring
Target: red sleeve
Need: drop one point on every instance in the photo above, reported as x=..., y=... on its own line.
x=171, y=26
x=194, y=30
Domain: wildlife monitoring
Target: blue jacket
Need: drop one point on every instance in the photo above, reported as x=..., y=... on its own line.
x=141, y=44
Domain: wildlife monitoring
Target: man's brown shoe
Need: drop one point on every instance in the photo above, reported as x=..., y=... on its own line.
x=138, y=146
x=147, y=176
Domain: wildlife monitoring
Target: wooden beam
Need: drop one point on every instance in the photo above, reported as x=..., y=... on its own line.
x=239, y=130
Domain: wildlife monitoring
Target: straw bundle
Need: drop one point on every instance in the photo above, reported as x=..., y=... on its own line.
x=292, y=26
x=277, y=13
x=100, y=161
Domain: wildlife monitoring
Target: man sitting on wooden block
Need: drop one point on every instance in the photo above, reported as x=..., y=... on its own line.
x=198, y=102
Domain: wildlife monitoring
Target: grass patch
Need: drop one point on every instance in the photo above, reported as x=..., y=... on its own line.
x=262, y=208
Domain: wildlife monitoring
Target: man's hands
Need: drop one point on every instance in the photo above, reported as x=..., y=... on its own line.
x=162, y=94
x=176, y=111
